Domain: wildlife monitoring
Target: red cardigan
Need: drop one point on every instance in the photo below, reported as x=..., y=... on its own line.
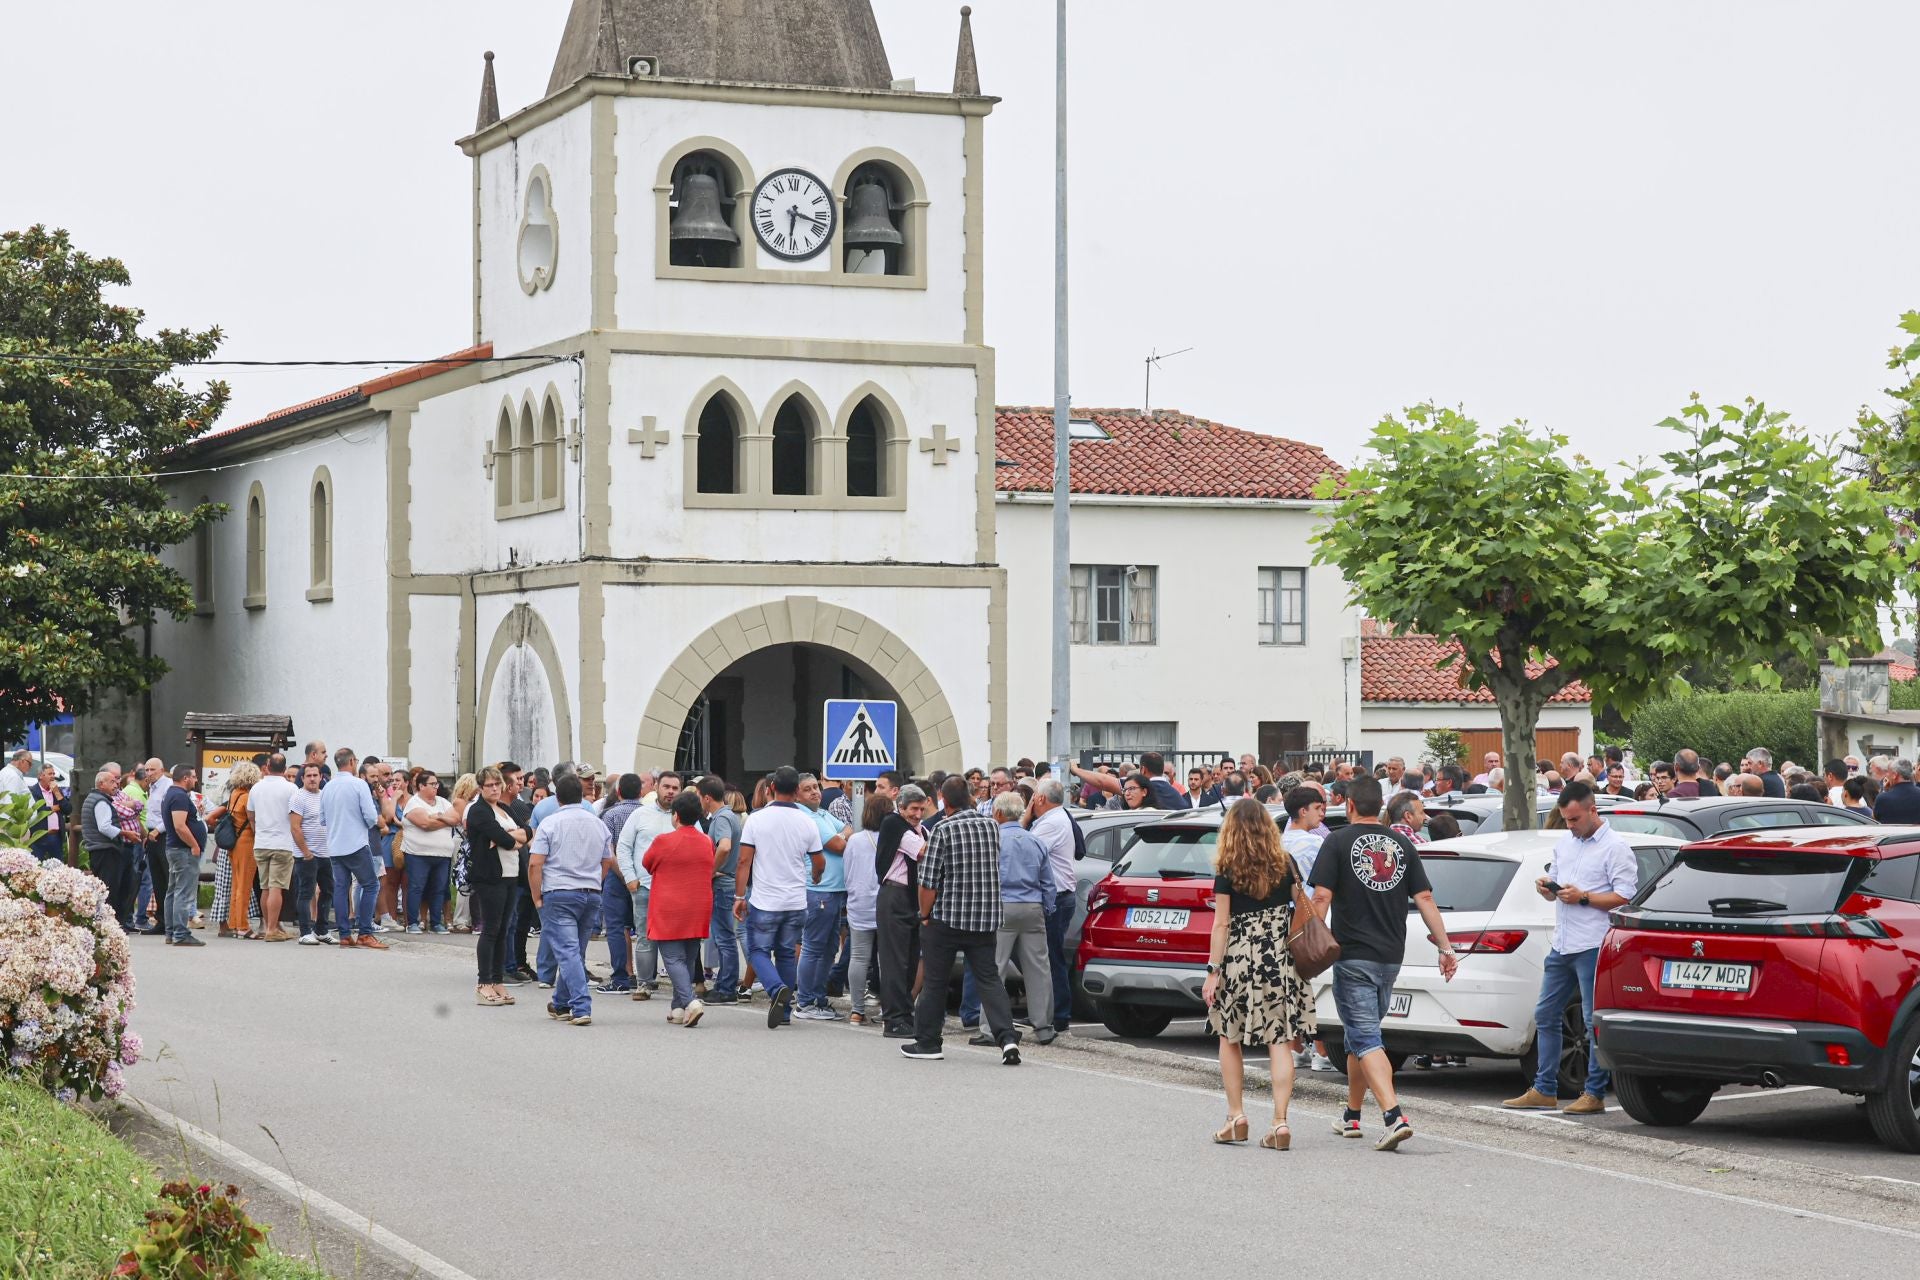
x=680, y=904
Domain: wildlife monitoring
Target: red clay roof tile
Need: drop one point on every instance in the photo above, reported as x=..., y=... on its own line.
x=1165, y=453
x=1406, y=668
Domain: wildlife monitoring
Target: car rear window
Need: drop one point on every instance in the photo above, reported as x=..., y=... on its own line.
x=1729, y=884
x=1175, y=851
x=1651, y=824
x=1467, y=884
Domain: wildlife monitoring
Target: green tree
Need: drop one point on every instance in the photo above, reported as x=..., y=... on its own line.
x=84, y=394
x=1747, y=545
x=1444, y=746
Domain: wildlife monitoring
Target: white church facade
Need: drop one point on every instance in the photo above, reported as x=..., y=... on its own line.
x=724, y=444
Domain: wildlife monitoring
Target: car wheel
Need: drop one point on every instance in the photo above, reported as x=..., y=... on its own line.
x=1662, y=1101
x=1337, y=1054
x=1574, y=1049
x=1894, y=1112
x=1134, y=1022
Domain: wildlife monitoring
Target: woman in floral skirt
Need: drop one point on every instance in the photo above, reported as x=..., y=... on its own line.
x=1254, y=996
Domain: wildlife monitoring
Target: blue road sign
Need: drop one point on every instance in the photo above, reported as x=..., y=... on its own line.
x=862, y=738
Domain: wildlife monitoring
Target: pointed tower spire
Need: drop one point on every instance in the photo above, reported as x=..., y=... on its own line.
x=606, y=45
x=966, y=72
x=489, y=98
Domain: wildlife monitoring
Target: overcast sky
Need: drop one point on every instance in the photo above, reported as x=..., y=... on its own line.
x=1573, y=214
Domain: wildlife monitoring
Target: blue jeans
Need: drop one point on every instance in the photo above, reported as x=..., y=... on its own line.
x=427, y=887
x=682, y=957
x=1362, y=989
x=616, y=915
x=183, y=890
x=820, y=940
x=772, y=937
x=726, y=975
x=1059, y=962
x=646, y=956
x=566, y=925
x=348, y=867
x=1555, y=990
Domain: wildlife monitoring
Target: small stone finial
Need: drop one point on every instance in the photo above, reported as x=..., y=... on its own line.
x=489, y=98
x=966, y=71
x=606, y=45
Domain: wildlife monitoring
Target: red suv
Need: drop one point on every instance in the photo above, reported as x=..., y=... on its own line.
x=1770, y=958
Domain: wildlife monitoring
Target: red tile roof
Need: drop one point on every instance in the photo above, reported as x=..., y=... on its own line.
x=1165, y=453
x=1406, y=668
x=358, y=393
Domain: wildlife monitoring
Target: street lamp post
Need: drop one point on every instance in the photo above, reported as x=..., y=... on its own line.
x=1060, y=737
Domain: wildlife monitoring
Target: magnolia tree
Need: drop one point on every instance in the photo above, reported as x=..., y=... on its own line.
x=1749, y=542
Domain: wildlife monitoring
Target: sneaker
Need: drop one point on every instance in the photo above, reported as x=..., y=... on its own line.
x=1347, y=1127
x=1303, y=1060
x=1532, y=1100
x=612, y=986
x=1585, y=1105
x=1045, y=1035
x=777, y=1006
x=721, y=997
x=694, y=1011
x=641, y=993
x=388, y=921
x=381, y=928
x=1398, y=1131
x=580, y=1020
x=546, y=986
x=512, y=978
x=812, y=1013
x=440, y=928
x=372, y=944
x=328, y=939
x=1424, y=1062
x=523, y=973
x=558, y=1014
x=414, y=928
x=189, y=941
x=1321, y=1062
x=926, y=1052
x=677, y=1017
x=970, y=1026
x=1009, y=1055
x=896, y=1033
x=981, y=1040
x=308, y=940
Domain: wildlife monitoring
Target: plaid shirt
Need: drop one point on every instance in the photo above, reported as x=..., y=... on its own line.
x=962, y=865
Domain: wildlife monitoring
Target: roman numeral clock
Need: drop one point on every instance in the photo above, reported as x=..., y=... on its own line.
x=793, y=214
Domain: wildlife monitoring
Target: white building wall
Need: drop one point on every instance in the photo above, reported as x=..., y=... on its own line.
x=649, y=514
x=324, y=663
x=1208, y=673
x=819, y=140
x=509, y=317
x=1399, y=730
x=433, y=671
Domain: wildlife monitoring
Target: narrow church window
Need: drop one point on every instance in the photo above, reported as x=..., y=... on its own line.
x=793, y=432
x=321, y=575
x=503, y=462
x=717, y=458
x=523, y=465
x=876, y=235
x=700, y=223
x=549, y=460
x=866, y=451
x=256, y=596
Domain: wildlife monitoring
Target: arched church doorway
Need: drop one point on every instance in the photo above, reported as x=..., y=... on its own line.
x=747, y=695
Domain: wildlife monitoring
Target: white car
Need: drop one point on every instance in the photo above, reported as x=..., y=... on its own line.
x=1501, y=929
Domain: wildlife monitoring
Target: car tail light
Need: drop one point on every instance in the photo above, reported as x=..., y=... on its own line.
x=1837, y=1055
x=1475, y=1022
x=1096, y=900
x=1498, y=942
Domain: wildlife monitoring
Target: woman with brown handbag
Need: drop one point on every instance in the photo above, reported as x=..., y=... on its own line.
x=1255, y=996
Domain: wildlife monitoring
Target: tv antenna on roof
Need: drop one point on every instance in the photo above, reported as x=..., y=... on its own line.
x=1153, y=362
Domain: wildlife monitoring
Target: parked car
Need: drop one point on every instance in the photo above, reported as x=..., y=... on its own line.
x=1501, y=929
x=1484, y=813
x=1770, y=957
x=1699, y=818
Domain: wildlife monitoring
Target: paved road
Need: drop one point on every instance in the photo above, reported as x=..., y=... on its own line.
x=1814, y=1126
x=515, y=1147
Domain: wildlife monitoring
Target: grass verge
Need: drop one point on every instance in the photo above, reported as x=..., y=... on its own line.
x=73, y=1197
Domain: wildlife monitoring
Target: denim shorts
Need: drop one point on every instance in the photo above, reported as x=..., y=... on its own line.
x=1361, y=990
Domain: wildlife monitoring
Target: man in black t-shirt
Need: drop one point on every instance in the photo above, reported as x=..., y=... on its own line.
x=1369, y=873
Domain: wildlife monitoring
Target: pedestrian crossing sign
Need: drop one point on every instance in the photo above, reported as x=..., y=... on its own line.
x=861, y=738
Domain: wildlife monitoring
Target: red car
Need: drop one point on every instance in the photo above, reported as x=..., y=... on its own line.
x=1777, y=957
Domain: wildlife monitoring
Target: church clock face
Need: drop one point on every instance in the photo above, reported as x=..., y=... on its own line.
x=793, y=214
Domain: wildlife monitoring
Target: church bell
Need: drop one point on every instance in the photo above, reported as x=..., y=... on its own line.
x=869, y=222
x=698, y=219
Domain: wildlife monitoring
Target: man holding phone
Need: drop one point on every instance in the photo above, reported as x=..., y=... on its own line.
x=1592, y=872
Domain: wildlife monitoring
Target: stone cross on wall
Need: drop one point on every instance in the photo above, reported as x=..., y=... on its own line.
x=939, y=444
x=647, y=438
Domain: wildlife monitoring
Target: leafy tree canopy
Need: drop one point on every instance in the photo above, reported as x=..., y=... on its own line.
x=1746, y=544
x=84, y=394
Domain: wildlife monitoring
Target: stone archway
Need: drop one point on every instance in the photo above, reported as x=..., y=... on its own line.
x=521, y=659
x=929, y=734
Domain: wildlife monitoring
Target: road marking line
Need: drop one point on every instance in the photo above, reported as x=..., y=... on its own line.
x=312, y=1200
x=1877, y=1177
x=1764, y=1093
x=1641, y=1179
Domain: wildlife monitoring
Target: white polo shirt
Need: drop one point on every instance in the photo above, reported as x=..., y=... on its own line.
x=1601, y=864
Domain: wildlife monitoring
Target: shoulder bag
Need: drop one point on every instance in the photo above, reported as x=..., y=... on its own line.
x=1310, y=943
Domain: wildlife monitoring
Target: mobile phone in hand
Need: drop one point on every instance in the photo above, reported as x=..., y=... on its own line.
x=1553, y=887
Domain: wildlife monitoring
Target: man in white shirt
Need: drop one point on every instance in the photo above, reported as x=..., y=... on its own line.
x=1592, y=872
x=270, y=804
x=653, y=819
x=780, y=855
x=13, y=778
x=1047, y=820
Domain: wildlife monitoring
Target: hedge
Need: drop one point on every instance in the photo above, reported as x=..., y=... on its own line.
x=1725, y=726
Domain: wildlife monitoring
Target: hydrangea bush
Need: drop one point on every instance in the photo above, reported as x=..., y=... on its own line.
x=66, y=980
